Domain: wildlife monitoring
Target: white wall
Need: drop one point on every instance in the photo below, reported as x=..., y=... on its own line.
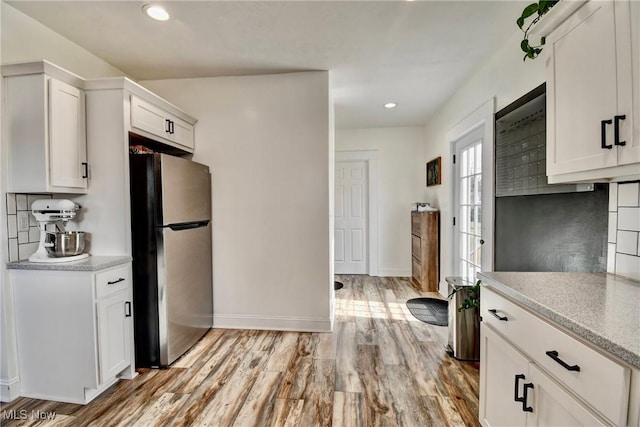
x=504, y=76
x=267, y=141
x=401, y=170
x=24, y=39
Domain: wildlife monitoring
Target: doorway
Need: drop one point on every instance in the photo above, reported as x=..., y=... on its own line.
x=355, y=213
x=351, y=217
x=467, y=226
x=472, y=193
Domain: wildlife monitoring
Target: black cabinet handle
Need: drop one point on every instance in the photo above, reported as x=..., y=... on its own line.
x=603, y=134
x=616, y=129
x=526, y=408
x=497, y=316
x=517, y=387
x=127, y=309
x=171, y=129
x=554, y=355
x=121, y=279
x=167, y=125
x=85, y=167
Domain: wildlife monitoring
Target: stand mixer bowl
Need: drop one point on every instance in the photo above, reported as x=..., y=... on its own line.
x=65, y=243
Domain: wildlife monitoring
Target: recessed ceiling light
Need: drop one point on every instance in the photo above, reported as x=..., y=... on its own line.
x=155, y=12
x=390, y=105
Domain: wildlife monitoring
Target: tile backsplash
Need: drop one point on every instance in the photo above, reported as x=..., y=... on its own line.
x=22, y=228
x=623, y=256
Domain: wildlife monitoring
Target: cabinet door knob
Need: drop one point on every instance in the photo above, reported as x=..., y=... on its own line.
x=616, y=129
x=167, y=127
x=603, y=134
x=85, y=167
x=127, y=309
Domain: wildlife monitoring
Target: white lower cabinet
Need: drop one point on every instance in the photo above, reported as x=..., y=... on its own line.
x=514, y=392
x=534, y=373
x=74, y=331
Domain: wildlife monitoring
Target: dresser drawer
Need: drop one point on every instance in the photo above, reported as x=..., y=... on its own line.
x=415, y=247
x=416, y=271
x=587, y=372
x=415, y=224
x=112, y=281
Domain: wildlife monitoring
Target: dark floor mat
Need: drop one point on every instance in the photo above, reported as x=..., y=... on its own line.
x=430, y=310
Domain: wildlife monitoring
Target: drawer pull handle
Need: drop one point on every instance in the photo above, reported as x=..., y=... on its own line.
x=127, y=309
x=526, y=408
x=554, y=355
x=517, y=387
x=116, y=281
x=497, y=316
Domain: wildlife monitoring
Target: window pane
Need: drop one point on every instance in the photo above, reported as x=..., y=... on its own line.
x=471, y=164
x=478, y=158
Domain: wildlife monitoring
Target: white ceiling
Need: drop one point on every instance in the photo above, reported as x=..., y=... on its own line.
x=413, y=53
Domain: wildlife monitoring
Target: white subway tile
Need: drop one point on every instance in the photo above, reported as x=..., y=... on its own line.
x=613, y=197
x=34, y=234
x=26, y=250
x=628, y=194
x=613, y=227
x=611, y=258
x=12, y=226
x=13, y=250
x=11, y=204
x=627, y=242
x=628, y=266
x=21, y=202
x=629, y=219
x=23, y=237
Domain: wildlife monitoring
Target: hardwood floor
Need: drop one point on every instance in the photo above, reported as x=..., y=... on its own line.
x=380, y=367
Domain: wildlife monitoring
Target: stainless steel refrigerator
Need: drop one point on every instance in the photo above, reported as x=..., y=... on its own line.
x=172, y=276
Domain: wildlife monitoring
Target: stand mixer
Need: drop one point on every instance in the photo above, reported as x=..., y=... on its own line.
x=54, y=211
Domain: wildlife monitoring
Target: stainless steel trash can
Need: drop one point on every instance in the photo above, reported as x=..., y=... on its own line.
x=464, y=326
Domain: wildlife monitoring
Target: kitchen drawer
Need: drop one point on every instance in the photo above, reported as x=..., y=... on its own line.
x=112, y=281
x=415, y=247
x=415, y=224
x=537, y=338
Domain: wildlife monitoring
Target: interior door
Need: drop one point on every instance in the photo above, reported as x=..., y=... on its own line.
x=467, y=225
x=351, y=217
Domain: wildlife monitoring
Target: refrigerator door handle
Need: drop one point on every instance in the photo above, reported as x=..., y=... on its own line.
x=187, y=225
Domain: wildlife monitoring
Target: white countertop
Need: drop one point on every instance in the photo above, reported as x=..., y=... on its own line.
x=603, y=309
x=93, y=263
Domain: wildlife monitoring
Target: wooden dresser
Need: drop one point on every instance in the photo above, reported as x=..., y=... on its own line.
x=424, y=250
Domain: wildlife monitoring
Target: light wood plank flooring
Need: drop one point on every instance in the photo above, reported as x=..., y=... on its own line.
x=380, y=367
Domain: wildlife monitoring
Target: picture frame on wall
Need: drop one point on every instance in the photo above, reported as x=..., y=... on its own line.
x=434, y=172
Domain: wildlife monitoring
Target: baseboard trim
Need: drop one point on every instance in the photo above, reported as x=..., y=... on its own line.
x=394, y=272
x=9, y=389
x=272, y=323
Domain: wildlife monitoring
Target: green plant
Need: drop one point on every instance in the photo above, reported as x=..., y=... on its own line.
x=473, y=297
x=538, y=10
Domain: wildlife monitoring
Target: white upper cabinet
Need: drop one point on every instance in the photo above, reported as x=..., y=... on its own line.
x=159, y=122
x=592, y=123
x=46, y=137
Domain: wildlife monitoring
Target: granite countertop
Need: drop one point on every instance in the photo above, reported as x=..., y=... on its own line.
x=93, y=263
x=603, y=309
